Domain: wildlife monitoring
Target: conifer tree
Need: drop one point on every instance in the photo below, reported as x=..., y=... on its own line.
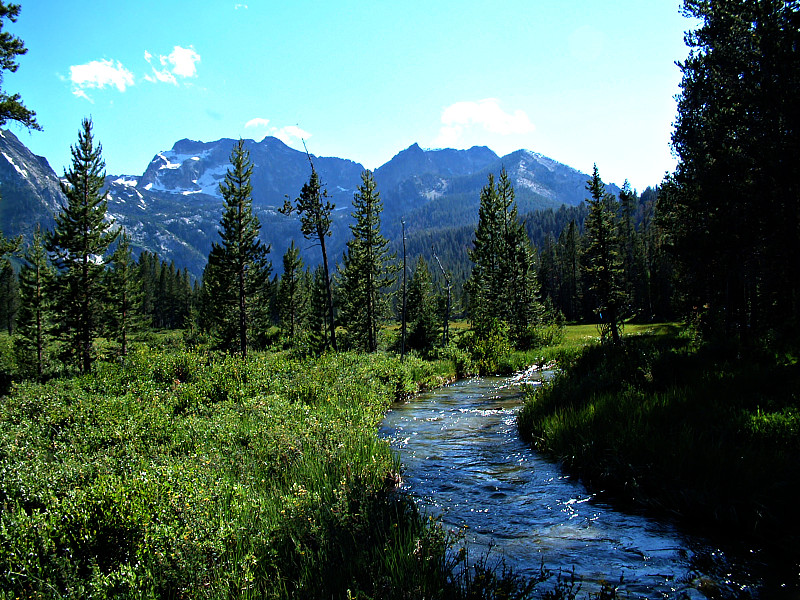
x=292, y=298
x=11, y=107
x=124, y=293
x=603, y=263
x=366, y=271
x=315, y=223
x=503, y=287
x=34, y=320
x=421, y=309
x=239, y=263
x=568, y=250
x=731, y=205
x=9, y=296
x=81, y=237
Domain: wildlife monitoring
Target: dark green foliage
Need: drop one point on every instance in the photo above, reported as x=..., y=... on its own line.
x=77, y=246
x=237, y=275
x=292, y=294
x=11, y=107
x=123, y=289
x=35, y=317
x=315, y=211
x=731, y=205
x=367, y=271
x=503, y=285
x=167, y=295
x=421, y=310
x=602, y=260
x=9, y=296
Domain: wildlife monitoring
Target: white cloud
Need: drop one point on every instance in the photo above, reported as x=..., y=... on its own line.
x=181, y=62
x=99, y=74
x=238, y=6
x=488, y=115
x=257, y=122
x=289, y=133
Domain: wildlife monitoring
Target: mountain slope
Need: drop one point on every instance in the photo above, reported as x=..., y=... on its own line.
x=174, y=207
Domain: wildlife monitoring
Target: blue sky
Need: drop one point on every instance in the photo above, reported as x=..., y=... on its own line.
x=583, y=81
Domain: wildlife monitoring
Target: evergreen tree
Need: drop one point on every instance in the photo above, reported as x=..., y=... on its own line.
x=569, y=252
x=315, y=223
x=317, y=292
x=603, y=263
x=77, y=245
x=124, y=293
x=485, y=255
x=503, y=285
x=240, y=260
x=421, y=309
x=517, y=267
x=9, y=296
x=366, y=271
x=730, y=206
x=292, y=298
x=11, y=107
x=34, y=321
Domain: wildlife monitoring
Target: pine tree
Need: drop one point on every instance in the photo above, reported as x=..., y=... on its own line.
x=731, y=209
x=603, y=263
x=315, y=223
x=11, y=107
x=569, y=253
x=366, y=271
x=9, y=296
x=124, y=293
x=77, y=245
x=485, y=255
x=34, y=320
x=503, y=287
x=421, y=309
x=292, y=298
x=241, y=258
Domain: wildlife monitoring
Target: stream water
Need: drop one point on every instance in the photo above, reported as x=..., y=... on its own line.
x=464, y=462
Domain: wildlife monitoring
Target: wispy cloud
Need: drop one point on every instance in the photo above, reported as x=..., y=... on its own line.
x=98, y=74
x=286, y=134
x=257, y=122
x=289, y=133
x=181, y=62
x=486, y=115
x=238, y=6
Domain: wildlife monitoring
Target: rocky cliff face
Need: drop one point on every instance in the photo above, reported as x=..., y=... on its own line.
x=30, y=192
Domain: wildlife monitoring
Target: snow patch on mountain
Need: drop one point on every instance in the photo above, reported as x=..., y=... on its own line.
x=22, y=171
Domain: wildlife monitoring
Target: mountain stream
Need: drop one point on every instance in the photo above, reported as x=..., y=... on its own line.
x=463, y=462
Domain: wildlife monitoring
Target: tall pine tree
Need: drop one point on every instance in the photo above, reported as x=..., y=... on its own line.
x=77, y=246
x=315, y=211
x=602, y=258
x=367, y=271
x=124, y=293
x=34, y=320
x=292, y=298
x=239, y=262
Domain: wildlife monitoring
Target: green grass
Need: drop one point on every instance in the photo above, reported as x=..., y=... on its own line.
x=694, y=431
x=196, y=475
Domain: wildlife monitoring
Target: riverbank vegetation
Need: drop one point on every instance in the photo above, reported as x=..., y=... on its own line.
x=685, y=427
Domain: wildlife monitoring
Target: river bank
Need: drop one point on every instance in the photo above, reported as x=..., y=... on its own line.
x=693, y=432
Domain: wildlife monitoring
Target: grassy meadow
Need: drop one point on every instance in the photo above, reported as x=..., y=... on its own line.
x=194, y=475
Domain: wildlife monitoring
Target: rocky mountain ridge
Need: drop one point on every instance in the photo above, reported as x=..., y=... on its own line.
x=173, y=208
